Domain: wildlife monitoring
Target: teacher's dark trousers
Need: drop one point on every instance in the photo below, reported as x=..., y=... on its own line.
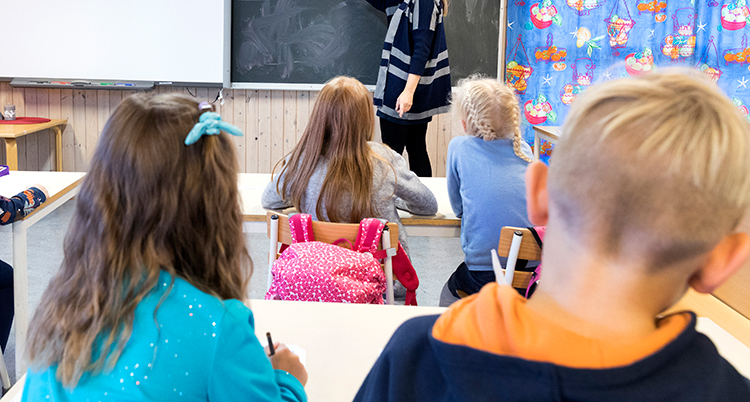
x=413, y=138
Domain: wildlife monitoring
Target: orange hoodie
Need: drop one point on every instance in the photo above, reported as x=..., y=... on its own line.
x=497, y=320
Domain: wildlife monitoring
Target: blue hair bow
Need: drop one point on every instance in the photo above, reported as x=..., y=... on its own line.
x=210, y=123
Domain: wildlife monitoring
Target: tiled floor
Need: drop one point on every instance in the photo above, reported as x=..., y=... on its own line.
x=433, y=257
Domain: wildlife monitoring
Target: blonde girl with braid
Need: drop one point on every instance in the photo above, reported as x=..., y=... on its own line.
x=485, y=174
x=148, y=302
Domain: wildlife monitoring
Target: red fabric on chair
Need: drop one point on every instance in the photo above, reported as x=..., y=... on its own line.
x=26, y=120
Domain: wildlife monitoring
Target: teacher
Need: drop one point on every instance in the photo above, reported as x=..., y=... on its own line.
x=414, y=79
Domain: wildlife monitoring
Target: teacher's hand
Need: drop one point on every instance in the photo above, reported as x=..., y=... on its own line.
x=404, y=102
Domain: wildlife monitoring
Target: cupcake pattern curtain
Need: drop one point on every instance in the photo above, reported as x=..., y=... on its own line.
x=557, y=48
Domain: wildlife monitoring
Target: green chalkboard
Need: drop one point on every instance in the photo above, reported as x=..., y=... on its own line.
x=311, y=41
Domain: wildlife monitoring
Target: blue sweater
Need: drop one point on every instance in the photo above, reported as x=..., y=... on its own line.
x=415, y=366
x=487, y=191
x=414, y=44
x=205, y=350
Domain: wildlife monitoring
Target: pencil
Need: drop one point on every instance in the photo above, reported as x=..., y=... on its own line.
x=270, y=344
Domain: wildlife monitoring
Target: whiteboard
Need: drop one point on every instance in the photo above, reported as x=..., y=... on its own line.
x=146, y=40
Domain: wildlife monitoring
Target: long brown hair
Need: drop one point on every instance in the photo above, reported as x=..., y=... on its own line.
x=148, y=203
x=341, y=123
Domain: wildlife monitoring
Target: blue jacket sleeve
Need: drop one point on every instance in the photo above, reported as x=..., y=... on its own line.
x=240, y=369
x=22, y=203
x=453, y=179
x=426, y=14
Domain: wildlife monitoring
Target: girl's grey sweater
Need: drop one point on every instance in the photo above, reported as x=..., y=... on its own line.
x=403, y=191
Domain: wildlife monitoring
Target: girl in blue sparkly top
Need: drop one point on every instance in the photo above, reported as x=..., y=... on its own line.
x=147, y=303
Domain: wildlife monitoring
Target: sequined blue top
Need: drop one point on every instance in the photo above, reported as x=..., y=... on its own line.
x=204, y=349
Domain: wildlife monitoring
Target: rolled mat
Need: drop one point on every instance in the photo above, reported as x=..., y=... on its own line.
x=25, y=120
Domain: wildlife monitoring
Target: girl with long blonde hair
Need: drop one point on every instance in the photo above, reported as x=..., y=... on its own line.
x=147, y=302
x=485, y=174
x=337, y=173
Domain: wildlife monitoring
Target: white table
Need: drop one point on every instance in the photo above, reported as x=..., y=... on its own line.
x=443, y=224
x=342, y=341
x=61, y=186
x=549, y=133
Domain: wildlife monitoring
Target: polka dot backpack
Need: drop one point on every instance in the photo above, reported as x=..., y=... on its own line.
x=309, y=270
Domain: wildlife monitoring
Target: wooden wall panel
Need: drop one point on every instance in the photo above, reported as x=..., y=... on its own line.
x=68, y=144
x=237, y=115
x=20, y=101
x=264, y=132
x=277, y=128
x=45, y=157
x=303, y=113
x=432, y=140
x=32, y=141
x=290, y=122
x=92, y=126
x=55, y=112
x=273, y=122
x=79, y=132
x=252, y=130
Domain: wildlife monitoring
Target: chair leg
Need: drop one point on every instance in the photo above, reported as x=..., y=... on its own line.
x=386, y=240
x=4, y=374
x=273, y=248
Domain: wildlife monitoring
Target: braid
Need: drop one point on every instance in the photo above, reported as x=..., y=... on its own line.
x=485, y=131
x=515, y=117
x=517, y=145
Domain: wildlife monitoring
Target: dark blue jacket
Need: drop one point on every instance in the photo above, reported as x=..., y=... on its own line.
x=414, y=366
x=414, y=44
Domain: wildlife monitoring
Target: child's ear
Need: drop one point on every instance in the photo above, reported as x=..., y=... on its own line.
x=537, y=204
x=463, y=124
x=723, y=261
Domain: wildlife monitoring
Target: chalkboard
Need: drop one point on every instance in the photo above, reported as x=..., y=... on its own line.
x=311, y=41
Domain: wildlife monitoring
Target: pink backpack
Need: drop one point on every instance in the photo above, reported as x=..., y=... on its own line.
x=314, y=271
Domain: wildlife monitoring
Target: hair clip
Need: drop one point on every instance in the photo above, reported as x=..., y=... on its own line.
x=205, y=105
x=210, y=123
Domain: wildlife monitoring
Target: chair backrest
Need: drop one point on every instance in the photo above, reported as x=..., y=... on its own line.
x=326, y=232
x=529, y=250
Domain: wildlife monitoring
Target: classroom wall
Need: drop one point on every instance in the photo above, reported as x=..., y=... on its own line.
x=272, y=121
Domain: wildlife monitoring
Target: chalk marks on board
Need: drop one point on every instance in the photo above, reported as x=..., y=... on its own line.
x=312, y=41
x=471, y=30
x=471, y=6
x=302, y=41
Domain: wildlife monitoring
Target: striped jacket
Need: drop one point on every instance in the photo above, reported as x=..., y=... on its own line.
x=414, y=44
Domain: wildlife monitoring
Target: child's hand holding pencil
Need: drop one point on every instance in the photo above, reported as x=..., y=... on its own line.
x=283, y=359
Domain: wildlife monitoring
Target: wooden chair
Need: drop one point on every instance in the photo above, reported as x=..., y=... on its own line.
x=327, y=232
x=529, y=250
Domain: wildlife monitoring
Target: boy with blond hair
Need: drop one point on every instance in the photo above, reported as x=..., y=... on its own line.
x=641, y=200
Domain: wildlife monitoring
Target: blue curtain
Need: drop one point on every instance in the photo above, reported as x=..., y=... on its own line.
x=557, y=48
